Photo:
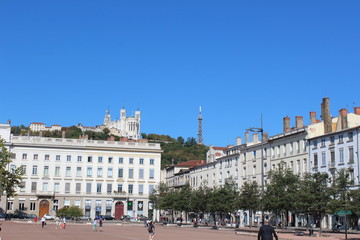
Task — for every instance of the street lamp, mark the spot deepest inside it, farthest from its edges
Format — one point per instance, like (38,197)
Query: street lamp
(260,130)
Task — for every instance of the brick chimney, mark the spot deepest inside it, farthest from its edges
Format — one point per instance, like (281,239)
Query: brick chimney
(238,141)
(312,117)
(325,115)
(299,121)
(255,138)
(357,110)
(343,118)
(265,136)
(246,137)
(286,121)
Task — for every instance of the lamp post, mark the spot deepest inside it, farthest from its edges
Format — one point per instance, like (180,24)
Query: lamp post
(260,130)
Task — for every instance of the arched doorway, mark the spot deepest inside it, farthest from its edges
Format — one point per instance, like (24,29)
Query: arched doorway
(119,210)
(44,208)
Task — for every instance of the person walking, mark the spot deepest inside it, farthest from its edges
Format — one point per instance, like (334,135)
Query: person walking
(43,221)
(151,229)
(100,224)
(94,225)
(266,232)
(57,223)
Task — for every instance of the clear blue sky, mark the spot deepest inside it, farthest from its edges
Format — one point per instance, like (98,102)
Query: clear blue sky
(66,62)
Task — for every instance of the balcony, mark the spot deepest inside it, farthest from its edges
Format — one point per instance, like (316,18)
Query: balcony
(331,165)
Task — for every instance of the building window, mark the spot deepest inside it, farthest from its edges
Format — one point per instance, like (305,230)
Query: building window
(323,158)
(21,205)
(151,161)
(79,158)
(56,187)
(47,157)
(151,174)
(32,206)
(141,189)
(36,157)
(33,187)
(78,188)
(98,187)
(110,172)
(332,140)
(89,172)
(110,159)
(34,170)
(24,156)
(99,172)
(77,203)
(121,160)
(57,171)
(351,155)
(89,158)
(67,187)
(109,188)
(23,169)
(120,173)
(46,170)
(68,158)
(141,161)
(100,159)
(68,172)
(45,186)
(120,188)
(131,173)
(341,138)
(88,188)
(57,158)
(291,148)
(130,190)
(314,144)
(323,141)
(350,136)
(22,186)
(151,189)
(78,171)
(341,155)
(131,160)
(141,173)
(315,160)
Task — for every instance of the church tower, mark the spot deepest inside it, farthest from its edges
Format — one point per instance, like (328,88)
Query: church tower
(200,136)
(107,117)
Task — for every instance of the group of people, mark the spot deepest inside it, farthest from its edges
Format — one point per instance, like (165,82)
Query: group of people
(98,222)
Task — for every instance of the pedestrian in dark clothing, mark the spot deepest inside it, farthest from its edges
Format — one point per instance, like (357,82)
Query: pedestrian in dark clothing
(266,232)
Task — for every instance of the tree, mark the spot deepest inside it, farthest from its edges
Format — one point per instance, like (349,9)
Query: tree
(249,197)
(280,193)
(69,212)
(314,195)
(10,179)
(199,199)
(183,199)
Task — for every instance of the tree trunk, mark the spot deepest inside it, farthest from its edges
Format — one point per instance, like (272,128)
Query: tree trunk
(320,233)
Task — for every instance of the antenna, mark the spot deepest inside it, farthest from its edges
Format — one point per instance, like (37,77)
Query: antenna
(200,136)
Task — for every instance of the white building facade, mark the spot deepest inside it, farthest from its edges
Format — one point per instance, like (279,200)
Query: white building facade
(102,177)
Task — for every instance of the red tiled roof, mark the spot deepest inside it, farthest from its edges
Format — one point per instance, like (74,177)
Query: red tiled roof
(37,123)
(56,125)
(219,148)
(191,163)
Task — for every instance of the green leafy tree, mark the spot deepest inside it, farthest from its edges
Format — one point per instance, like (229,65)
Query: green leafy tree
(249,197)
(199,199)
(10,179)
(70,212)
(280,194)
(183,200)
(314,195)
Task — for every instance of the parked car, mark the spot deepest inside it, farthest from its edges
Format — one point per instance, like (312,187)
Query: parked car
(49,217)
(107,217)
(83,218)
(125,218)
(30,216)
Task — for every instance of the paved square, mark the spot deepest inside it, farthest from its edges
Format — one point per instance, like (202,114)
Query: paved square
(112,231)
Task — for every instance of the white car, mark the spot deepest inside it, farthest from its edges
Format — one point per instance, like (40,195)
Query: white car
(49,217)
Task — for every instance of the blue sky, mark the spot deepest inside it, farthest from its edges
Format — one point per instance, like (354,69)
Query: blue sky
(66,62)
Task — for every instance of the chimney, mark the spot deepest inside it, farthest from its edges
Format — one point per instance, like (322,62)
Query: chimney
(343,118)
(286,121)
(299,121)
(255,138)
(265,136)
(238,141)
(246,137)
(357,110)
(312,117)
(325,115)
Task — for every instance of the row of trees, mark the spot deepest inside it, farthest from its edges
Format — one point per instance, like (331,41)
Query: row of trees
(315,194)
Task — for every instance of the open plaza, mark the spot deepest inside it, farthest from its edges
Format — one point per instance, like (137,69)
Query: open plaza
(27,230)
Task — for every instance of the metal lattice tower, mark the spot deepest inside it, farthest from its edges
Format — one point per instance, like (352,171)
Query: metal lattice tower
(200,136)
